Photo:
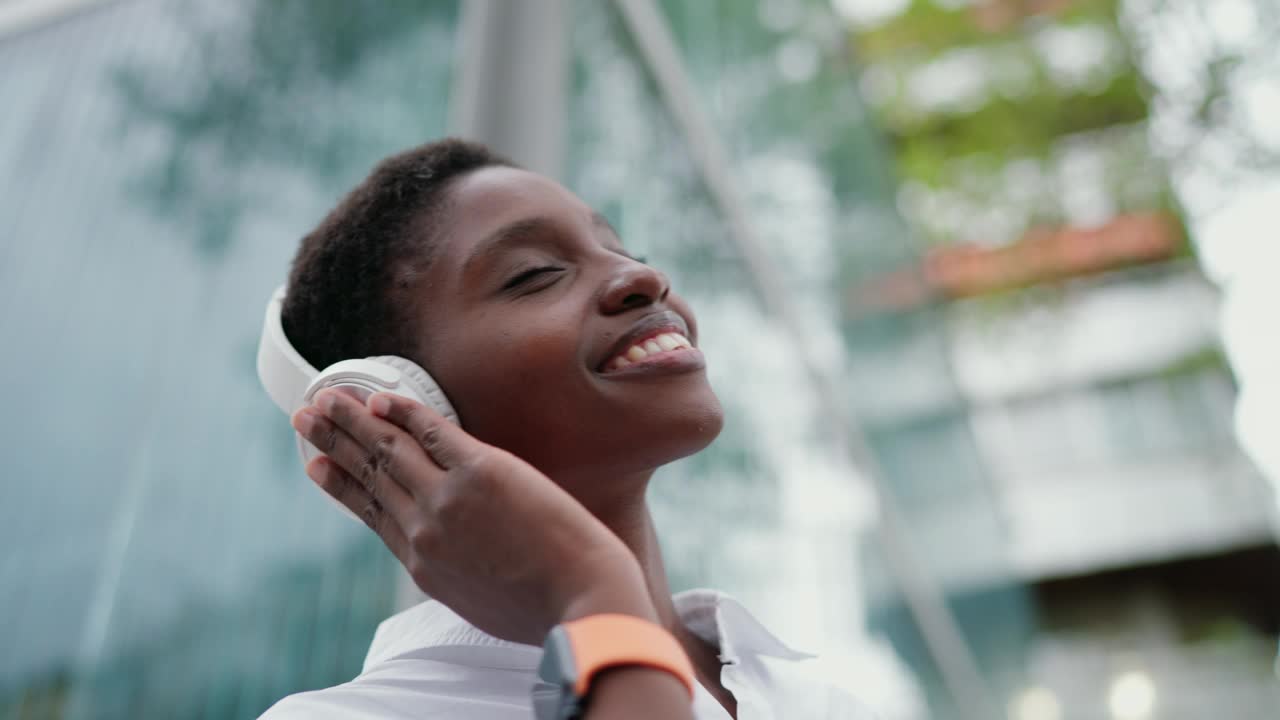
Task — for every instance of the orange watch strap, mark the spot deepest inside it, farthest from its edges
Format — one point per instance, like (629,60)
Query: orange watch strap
(603,641)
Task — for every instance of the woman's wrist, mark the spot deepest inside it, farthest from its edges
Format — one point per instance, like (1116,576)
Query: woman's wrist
(636,691)
(621,590)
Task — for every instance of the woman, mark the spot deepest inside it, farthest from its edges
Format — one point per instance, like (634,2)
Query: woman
(575,371)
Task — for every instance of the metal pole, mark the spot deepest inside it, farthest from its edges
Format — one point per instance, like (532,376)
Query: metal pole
(924,599)
(510,87)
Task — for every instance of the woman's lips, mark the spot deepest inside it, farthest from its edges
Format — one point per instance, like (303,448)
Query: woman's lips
(662,352)
(652,345)
(646,329)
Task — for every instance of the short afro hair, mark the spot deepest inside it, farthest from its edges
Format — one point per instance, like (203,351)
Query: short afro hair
(345,293)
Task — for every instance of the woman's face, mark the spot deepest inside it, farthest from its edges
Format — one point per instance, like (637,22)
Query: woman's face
(528,304)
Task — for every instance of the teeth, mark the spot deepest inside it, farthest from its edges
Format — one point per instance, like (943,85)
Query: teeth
(662,343)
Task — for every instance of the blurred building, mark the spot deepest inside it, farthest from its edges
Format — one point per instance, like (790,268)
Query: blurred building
(968,362)
(1083,337)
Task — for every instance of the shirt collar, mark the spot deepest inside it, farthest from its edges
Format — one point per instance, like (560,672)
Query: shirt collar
(710,614)
(725,623)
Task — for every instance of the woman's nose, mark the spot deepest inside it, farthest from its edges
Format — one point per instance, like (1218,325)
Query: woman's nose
(633,285)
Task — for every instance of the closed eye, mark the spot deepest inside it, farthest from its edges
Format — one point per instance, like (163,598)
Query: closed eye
(528,275)
(638,258)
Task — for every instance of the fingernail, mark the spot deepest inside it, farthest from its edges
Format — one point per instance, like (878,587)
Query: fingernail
(303,421)
(379,405)
(315,469)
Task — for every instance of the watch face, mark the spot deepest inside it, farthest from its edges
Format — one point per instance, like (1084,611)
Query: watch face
(553,695)
(555,702)
(546,700)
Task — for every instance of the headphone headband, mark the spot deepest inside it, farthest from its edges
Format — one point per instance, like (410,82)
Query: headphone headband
(283,372)
(291,381)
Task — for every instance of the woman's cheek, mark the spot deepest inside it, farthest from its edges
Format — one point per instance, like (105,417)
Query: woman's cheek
(545,361)
(515,375)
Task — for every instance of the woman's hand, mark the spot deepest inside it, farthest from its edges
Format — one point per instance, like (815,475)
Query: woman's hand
(477,528)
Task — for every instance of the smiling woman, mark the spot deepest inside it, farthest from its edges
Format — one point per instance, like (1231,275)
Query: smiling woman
(575,371)
(543,340)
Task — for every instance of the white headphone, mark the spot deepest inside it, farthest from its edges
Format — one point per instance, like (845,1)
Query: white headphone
(291,381)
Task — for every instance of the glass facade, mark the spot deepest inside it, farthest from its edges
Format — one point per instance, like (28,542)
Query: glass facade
(168,558)
(165,556)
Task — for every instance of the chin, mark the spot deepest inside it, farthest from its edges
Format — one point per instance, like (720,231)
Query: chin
(663,437)
(637,440)
(700,427)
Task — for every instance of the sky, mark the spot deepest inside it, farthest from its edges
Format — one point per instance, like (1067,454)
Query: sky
(1240,251)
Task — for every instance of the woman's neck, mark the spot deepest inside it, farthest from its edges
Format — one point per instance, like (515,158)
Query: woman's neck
(632,522)
(629,518)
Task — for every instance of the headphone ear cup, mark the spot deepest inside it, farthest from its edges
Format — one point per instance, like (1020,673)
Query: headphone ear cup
(422,384)
(362,378)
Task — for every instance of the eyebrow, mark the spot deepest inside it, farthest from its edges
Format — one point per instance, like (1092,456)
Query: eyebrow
(603,223)
(526,231)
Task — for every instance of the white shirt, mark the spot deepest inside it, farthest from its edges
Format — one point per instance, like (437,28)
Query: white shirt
(427,662)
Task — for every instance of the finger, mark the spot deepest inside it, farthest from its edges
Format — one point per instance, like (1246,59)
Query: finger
(398,454)
(364,466)
(339,484)
(447,444)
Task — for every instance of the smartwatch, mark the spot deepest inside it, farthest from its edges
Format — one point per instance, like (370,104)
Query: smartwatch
(575,652)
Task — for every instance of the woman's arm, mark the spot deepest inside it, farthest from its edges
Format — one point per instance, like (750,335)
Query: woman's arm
(633,691)
(485,533)
(638,692)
